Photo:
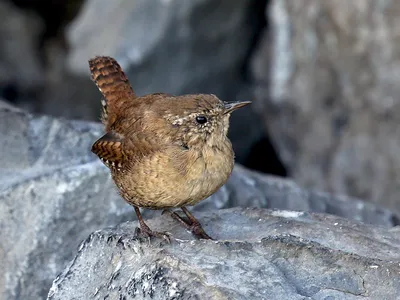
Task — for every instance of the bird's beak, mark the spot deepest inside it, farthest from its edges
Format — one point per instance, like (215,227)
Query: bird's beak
(230,107)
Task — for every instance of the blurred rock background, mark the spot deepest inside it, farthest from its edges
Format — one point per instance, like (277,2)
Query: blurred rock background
(164,46)
(323,77)
(329,93)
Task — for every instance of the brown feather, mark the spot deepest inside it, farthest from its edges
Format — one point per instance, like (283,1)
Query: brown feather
(109,148)
(112,82)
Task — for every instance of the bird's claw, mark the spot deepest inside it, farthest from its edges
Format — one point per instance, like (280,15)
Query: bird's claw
(193,225)
(148,233)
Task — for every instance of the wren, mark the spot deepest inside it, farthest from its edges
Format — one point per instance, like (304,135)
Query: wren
(163,151)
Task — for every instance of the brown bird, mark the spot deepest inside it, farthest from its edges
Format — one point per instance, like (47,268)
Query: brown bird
(163,151)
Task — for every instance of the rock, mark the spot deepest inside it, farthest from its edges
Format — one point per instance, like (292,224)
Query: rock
(246,188)
(258,254)
(21,71)
(328,91)
(166,46)
(54,193)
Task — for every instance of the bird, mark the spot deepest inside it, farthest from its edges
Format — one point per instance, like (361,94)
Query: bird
(163,151)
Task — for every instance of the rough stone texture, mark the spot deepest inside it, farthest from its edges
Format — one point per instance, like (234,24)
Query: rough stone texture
(328,74)
(20,68)
(260,254)
(54,193)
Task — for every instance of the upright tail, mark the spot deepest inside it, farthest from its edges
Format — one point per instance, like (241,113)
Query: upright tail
(112,82)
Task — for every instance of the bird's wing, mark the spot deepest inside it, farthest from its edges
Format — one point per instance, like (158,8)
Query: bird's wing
(117,152)
(109,148)
(112,82)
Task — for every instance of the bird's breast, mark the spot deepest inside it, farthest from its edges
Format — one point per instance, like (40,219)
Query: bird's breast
(175,178)
(210,171)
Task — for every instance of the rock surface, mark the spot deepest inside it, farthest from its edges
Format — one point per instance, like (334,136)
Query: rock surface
(54,193)
(258,254)
(328,89)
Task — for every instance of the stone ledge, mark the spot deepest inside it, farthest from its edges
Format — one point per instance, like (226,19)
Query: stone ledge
(259,254)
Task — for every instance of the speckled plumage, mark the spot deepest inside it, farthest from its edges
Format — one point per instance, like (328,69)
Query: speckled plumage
(159,155)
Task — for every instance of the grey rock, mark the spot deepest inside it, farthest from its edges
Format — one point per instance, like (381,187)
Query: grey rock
(327,74)
(258,254)
(54,193)
(251,189)
(170,46)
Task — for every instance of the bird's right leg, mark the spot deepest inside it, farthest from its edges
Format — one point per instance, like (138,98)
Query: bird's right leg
(145,230)
(191,223)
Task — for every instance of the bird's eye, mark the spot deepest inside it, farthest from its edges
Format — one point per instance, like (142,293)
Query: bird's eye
(201,119)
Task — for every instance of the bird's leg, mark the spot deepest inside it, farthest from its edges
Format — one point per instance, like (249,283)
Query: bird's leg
(145,230)
(191,223)
(195,226)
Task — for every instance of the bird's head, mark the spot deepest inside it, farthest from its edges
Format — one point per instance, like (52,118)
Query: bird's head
(199,119)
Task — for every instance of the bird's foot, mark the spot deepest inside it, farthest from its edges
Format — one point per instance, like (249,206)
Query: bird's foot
(191,224)
(146,232)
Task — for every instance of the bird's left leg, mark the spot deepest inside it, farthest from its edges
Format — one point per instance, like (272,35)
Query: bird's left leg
(144,230)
